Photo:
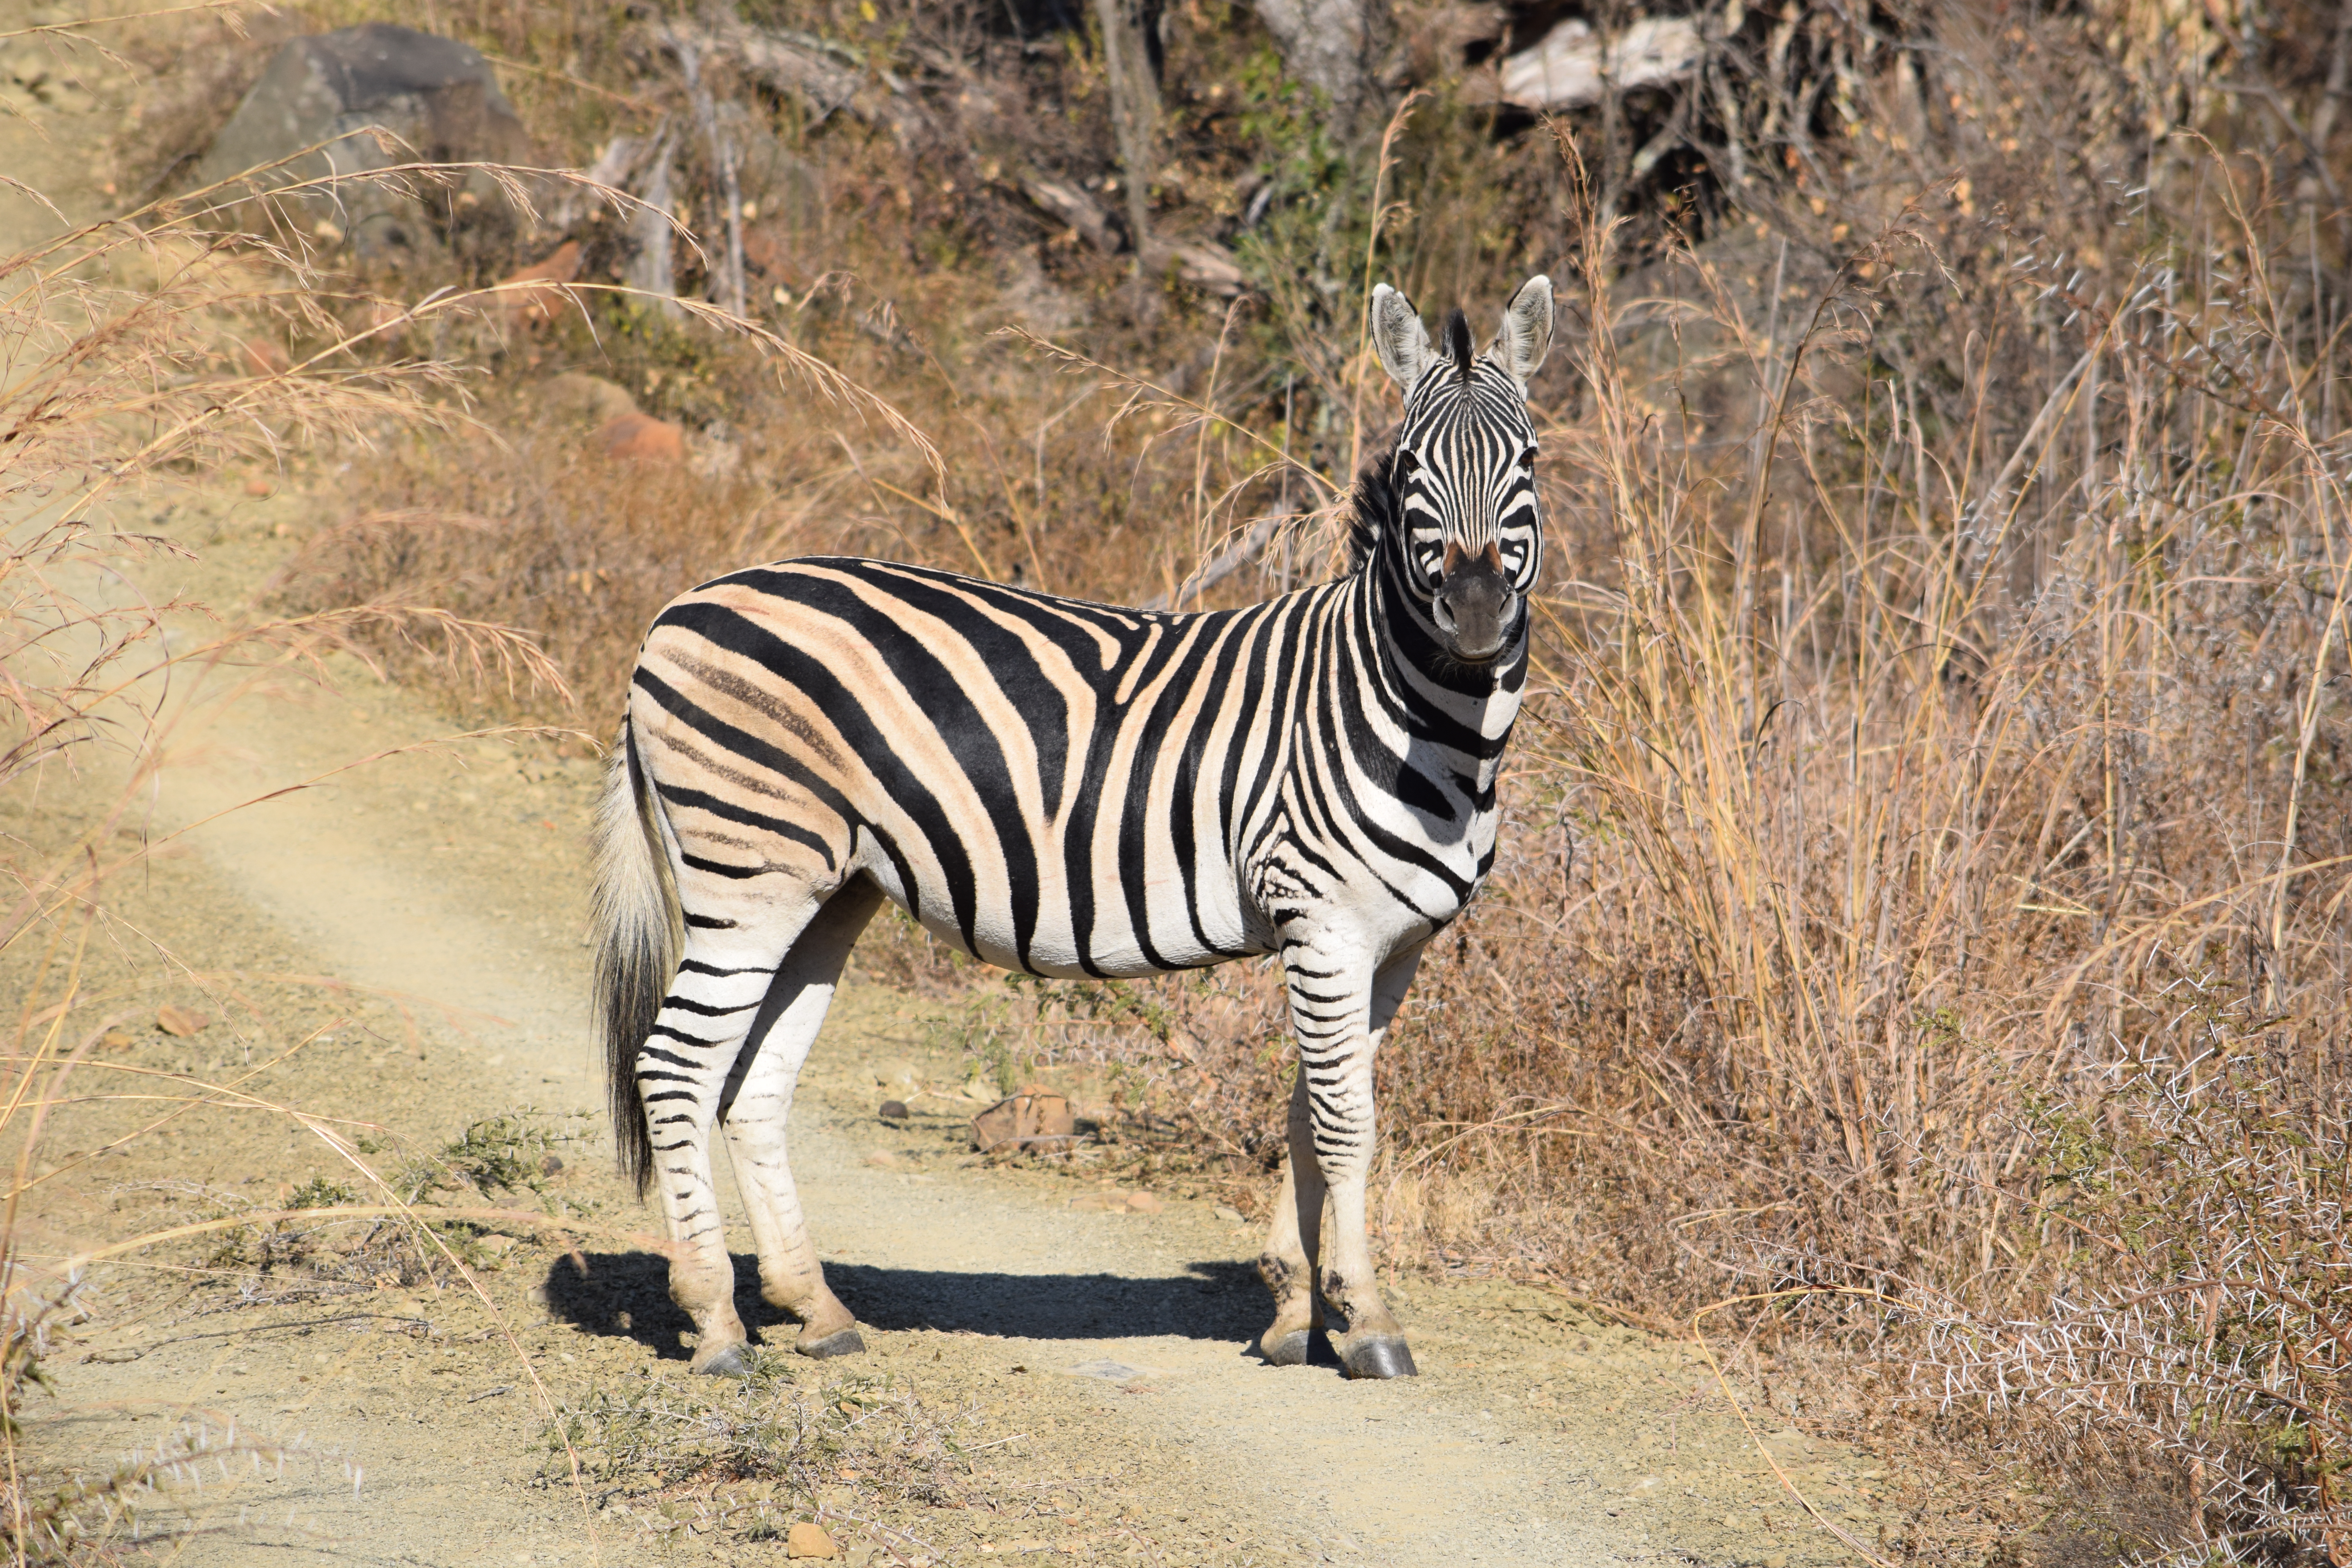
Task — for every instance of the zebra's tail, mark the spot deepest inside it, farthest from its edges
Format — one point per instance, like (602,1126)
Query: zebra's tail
(634,917)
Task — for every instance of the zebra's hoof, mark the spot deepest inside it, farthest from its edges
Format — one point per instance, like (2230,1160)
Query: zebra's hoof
(1381,1358)
(841,1341)
(735,1361)
(1291,1349)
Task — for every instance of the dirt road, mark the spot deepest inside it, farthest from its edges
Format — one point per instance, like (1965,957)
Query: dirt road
(417,922)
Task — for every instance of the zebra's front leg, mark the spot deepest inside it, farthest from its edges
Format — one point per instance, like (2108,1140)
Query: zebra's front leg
(1340,1014)
(1287,1263)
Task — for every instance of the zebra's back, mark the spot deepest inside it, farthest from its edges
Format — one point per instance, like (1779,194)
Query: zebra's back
(1055,786)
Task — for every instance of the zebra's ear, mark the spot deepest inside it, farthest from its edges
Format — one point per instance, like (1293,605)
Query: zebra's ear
(1398,333)
(1527,329)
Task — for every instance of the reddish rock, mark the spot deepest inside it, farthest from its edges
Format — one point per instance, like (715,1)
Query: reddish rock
(173,1019)
(263,356)
(766,249)
(642,438)
(808,1539)
(535,294)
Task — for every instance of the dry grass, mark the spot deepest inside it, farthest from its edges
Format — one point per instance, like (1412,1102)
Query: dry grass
(745,1460)
(127,371)
(1924,907)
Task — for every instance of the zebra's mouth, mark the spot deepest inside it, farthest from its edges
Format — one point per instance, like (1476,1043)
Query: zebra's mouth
(1473,608)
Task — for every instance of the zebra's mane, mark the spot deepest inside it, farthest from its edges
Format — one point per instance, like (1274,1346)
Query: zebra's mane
(1372,504)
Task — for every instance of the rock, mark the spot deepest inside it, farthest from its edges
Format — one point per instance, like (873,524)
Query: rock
(1206,265)
(176,1020)
(259,355)
(884,1160)
(576,398)
(808,1539)
(1144,1203)
(1084,216)
(116,1039)
(257,485)
(497,1245)
(535,295)
(1572,67)
(1035,1116)
(767,250)
(894,1111)
(435,95)
(1226,1212)
(642,438)
(549,1165)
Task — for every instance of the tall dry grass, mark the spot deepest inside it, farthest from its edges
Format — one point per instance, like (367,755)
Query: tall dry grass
(1922,915)
(128,371)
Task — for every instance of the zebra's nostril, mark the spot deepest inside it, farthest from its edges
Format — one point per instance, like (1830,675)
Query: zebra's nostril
(1444,614)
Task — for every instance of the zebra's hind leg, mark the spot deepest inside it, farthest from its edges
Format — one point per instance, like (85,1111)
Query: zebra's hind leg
(1287,1263)
(683,1070)
(760,1100)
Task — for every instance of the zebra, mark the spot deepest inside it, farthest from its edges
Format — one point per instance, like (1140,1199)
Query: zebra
(1069,789)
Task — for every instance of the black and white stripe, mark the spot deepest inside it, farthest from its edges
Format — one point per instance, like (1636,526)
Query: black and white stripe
(1070,789)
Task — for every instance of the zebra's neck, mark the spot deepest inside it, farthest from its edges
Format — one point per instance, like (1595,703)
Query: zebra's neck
(1465,710)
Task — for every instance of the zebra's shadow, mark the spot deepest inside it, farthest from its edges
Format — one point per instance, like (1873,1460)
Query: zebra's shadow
(626,1295)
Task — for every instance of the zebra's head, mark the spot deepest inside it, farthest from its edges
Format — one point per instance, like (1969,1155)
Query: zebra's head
(1468,536)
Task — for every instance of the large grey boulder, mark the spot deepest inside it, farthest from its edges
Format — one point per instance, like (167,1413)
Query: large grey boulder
(437,96)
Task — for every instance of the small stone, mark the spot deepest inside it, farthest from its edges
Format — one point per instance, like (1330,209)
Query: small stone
(116,1039)
(549,1165)
(642,438)
(883,1159)
(177,1020)
(1227,1212)
(1144,1203)
(808,1539)
(1776,1560)
(894,1111)
(574,397)
(535,294)
(263,356)
(257,485)
(497,1245)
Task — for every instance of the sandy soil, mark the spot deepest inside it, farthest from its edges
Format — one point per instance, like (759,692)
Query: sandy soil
(417,922)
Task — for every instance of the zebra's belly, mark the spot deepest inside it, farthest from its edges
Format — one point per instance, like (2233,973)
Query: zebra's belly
(1106,933)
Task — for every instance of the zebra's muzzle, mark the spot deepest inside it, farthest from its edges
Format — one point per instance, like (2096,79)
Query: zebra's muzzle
(1473,609)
